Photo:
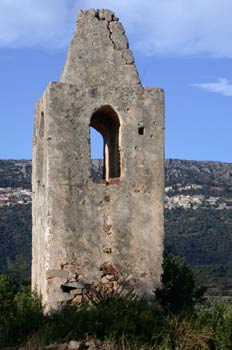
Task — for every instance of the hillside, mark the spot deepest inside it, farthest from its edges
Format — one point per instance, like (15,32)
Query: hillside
(198,216)
(198,219)
(15,173)
(198,172)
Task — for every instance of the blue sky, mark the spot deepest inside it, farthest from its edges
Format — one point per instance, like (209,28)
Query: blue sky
(182,46)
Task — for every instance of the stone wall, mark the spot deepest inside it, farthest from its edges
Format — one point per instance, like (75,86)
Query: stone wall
(91,236)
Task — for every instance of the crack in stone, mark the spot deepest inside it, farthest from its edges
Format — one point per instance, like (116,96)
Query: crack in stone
(103,18)
(110,35)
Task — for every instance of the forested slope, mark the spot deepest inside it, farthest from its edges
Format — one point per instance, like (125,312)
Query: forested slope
(198,216)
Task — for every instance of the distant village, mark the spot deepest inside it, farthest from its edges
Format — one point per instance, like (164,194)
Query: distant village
(14,196)
(193,201)
(174,198)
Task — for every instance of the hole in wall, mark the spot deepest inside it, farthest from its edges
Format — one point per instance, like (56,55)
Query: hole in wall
(141,130)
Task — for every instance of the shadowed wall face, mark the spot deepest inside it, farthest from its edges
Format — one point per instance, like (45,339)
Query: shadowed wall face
(97,235)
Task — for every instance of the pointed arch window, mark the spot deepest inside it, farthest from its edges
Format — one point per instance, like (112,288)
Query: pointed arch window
(105,120)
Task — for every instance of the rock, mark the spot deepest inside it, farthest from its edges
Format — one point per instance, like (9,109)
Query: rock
(57,273)
(66,296)
(106,14)
(109,269)
(93,344)
(76,291)
(128,56)
(77,299)
(108,286)
(74,345)
(110,277)
(73,277)
(104,280)
(115,285)
(55,346)
(129,277)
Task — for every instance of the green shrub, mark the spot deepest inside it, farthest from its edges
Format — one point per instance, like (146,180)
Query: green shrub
(16,271)
(7,309)
(179,292)
(20,313)
(135,319)
(28,314)
(126,321)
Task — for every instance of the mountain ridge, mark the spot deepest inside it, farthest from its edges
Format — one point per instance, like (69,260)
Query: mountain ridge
(202,171)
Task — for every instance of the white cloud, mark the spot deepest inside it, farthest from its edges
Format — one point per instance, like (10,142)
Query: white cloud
(222,87)
(175,27)
(36,23)
(158,27)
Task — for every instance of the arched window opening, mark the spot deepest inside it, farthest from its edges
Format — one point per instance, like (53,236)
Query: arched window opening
(106,122)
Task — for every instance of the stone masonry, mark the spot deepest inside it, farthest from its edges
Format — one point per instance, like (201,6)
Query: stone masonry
(96,236)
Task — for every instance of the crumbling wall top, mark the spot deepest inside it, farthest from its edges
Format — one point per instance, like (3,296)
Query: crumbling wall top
(99,53)
(102,14)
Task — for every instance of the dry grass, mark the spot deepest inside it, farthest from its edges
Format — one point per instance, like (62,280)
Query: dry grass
(183,334)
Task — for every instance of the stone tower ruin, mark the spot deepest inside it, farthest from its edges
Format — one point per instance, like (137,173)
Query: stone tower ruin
(92,236)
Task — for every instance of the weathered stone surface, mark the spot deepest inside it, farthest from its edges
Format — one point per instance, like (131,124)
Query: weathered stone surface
(74,285)
(117,36)
(104,280)
(128,56)
(57,273)
(76,291)
(96,53)
(110,277)
(74,345)
(77,299)
(105,15)
(74,216)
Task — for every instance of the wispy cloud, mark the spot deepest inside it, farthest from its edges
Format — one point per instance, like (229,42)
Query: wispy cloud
(222,87)
(159,27)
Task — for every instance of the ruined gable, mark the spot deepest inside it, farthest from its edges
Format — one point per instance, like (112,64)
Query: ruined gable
(91,236)
(99,53)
